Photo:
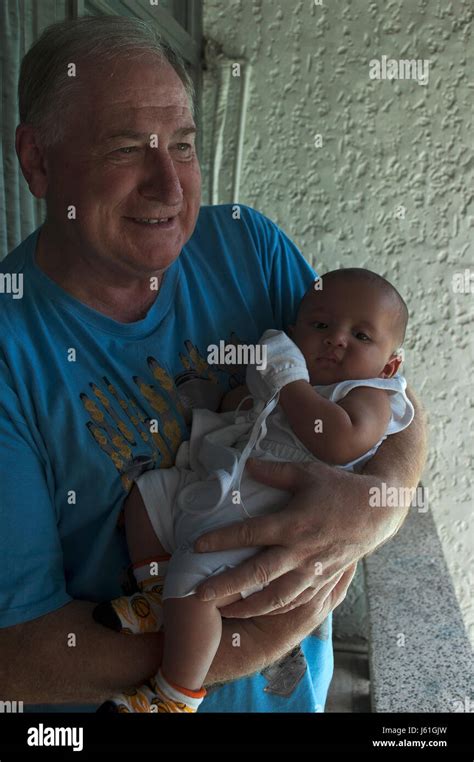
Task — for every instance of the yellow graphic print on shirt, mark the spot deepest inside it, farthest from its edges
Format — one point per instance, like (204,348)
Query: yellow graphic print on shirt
(120,434)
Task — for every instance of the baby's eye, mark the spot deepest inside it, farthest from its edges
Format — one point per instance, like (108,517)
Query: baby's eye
(320,326)
(362,336)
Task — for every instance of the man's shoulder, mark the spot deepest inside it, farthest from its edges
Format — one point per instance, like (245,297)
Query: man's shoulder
(225,217)
(237,229)
(228,212)
(15,287)
(15,261)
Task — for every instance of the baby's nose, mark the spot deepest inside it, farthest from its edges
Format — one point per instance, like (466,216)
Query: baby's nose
(337,338)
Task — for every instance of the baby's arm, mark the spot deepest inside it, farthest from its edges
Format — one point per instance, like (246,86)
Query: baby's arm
(347,428)
(232,399)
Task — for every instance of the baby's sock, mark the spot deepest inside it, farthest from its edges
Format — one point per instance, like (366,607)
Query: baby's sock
(159,696)
(150,574)
(137,701)
(143,611)
(171,697)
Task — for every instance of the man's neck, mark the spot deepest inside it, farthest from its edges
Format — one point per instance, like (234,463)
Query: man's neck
(126,301)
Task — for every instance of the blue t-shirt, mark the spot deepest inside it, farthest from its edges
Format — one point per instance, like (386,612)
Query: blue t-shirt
(78,393)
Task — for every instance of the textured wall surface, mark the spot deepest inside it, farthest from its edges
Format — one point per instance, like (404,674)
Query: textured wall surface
(388,189)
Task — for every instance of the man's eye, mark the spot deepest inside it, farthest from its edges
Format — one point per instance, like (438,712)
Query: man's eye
(127,150)
(362,336)
(184,148)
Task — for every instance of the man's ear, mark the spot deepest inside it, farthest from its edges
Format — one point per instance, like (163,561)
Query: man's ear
(391,367)
(32,160)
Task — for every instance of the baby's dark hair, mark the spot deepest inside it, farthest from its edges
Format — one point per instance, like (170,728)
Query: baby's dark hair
(360,273)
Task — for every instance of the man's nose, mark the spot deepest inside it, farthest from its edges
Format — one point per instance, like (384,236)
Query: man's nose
(162,182)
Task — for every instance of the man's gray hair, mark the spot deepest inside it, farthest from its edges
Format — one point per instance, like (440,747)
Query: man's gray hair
(46,92)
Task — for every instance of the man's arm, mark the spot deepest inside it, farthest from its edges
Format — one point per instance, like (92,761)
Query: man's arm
(399,462)
(37,666)
(266,639)
(401,458)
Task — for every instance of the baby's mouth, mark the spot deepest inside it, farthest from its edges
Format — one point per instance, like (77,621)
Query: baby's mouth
(329,359)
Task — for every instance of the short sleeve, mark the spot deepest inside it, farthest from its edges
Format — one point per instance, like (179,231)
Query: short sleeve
(288,273)
(32,581)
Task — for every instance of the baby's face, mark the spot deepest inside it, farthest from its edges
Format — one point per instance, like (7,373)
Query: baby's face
(345,331)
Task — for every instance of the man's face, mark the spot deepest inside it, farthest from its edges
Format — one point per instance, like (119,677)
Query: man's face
(109,169)
(345,332)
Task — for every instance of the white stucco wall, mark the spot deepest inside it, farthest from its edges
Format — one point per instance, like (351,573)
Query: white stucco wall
(385,145)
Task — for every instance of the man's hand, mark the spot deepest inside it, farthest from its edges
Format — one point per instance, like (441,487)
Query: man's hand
(266,639)
(308,550)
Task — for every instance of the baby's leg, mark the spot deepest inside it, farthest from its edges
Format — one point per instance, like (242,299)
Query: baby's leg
(141,538)
(142,612)
(193,630)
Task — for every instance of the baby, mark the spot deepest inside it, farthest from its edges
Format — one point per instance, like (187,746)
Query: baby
(330,392)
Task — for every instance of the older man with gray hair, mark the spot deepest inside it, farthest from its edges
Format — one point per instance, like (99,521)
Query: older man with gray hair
(126,283)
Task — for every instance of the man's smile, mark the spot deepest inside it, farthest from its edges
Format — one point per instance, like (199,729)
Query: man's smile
(163,223)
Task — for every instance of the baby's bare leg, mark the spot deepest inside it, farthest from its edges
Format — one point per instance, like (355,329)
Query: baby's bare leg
(193,630)
(141,612)
(141,538)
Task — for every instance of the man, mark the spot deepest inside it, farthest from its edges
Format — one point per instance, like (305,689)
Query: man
(125,285)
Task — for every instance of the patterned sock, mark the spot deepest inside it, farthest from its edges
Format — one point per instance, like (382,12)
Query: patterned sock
(137,700)
(171,697)
(143,611)
(159,696)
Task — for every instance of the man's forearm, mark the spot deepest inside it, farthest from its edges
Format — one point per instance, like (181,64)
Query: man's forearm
(39,667)
(401,458)
(263,641)
(399,462)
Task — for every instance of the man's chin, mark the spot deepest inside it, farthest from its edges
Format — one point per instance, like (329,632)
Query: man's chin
(151,258)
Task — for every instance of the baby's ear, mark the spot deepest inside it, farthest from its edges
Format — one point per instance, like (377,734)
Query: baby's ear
(392,366)
(290,330)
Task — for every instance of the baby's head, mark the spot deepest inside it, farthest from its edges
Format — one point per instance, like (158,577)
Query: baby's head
(350,325)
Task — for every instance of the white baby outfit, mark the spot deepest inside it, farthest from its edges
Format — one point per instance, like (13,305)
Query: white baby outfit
(201,492)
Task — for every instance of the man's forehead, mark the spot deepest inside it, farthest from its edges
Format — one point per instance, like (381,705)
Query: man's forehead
(112,122)
(170,98)
(151,84)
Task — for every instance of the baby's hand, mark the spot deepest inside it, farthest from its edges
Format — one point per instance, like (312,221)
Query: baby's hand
(282,363)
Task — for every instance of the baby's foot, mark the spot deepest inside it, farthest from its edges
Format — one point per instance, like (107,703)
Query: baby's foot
(128,702)
(132,615)
(156,696)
